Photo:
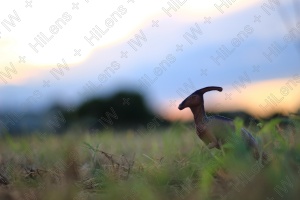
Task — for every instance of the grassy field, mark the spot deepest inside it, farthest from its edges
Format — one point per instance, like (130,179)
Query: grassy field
(167,164)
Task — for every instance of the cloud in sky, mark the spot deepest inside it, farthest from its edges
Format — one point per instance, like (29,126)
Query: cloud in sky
(172,42)
(66,25)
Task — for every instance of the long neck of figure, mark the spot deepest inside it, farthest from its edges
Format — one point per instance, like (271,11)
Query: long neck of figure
(199,115)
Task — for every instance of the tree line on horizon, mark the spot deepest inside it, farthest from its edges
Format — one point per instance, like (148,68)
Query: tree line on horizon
(121,111)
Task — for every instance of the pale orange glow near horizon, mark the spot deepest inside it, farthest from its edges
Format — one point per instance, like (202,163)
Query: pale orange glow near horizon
(260,99)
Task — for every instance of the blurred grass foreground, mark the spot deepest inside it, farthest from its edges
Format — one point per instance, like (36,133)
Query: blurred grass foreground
(171,163)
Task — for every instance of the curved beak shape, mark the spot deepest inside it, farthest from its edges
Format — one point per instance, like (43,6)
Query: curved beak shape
(181,106)
(188,102)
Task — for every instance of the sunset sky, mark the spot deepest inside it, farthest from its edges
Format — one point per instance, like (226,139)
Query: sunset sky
(67,52)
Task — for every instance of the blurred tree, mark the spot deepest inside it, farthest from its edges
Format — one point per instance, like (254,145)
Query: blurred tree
(122,110)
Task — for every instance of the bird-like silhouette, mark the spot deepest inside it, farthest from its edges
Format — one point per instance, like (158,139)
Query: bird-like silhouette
(215,130)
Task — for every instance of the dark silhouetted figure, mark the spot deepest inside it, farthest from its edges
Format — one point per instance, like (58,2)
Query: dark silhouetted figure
(214,130)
